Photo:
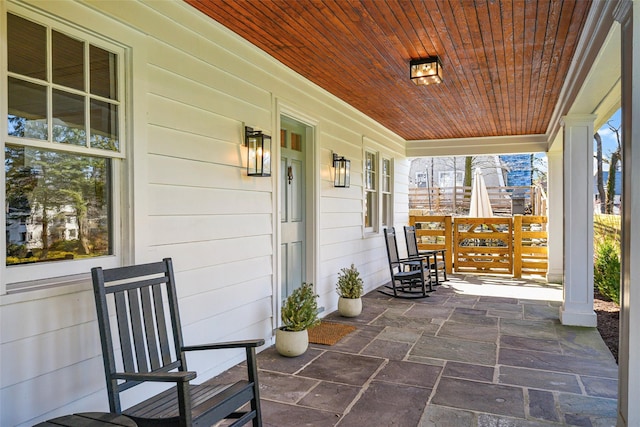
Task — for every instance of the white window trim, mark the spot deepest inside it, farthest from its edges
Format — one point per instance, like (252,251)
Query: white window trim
(27,277)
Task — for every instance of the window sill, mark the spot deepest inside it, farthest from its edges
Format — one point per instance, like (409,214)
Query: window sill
(45,288)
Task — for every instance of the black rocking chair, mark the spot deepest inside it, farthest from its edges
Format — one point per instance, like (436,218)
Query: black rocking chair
(436,266)
(143,343)
(410,277)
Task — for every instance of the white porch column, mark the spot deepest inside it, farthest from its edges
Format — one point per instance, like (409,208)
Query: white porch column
(555,203)
(628,14)
(577,307)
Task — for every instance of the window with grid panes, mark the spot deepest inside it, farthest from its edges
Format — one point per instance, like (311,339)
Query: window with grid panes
(62,145)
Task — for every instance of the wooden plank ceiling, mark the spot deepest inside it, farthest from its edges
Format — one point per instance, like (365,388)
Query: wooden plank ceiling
(504,62)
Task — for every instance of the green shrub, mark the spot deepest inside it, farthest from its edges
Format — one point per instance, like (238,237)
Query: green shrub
(300,309)
(349,284)
(606,269)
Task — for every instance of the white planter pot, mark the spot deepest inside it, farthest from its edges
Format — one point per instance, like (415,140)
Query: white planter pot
(349,307)
(290,343)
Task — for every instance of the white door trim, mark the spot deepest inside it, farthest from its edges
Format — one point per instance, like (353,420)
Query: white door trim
(312,200)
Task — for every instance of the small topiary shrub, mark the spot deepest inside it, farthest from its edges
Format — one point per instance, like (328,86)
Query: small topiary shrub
(606,270)
(349,284)
(300,309)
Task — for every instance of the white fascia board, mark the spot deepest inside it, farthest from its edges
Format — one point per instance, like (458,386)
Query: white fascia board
(478,146)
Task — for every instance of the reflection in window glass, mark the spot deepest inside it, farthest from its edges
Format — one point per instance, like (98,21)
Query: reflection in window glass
(27,47)
(67,56)
(104,126)
(387,208)
(371,199)
(57,206)
(27,109)
(68,118)
(386,175)
(103,76)
(370,170)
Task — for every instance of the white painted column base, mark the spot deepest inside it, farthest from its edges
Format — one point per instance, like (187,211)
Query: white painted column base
(555,277)
(576,318)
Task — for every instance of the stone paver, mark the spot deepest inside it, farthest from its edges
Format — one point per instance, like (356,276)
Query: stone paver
(546,380)
(481,397)
(385,404)
(456,349)
(542,405)
(469,371)
(343,368)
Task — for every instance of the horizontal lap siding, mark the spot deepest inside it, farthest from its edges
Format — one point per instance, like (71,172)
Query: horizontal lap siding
(195,86)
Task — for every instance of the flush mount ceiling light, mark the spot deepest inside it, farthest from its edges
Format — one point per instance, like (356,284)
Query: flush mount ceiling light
(426,71)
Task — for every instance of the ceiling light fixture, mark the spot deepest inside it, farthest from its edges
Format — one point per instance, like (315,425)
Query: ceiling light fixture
(426,71)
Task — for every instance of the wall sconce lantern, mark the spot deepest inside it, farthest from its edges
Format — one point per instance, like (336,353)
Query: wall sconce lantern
(426,71)
(342,170)
(259,153)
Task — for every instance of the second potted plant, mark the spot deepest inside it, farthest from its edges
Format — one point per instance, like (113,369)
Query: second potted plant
(299,312)
(350,288)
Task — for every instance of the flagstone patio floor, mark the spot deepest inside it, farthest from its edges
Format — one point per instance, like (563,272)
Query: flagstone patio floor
(480,351)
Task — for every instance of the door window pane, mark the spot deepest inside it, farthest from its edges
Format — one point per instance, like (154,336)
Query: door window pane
(296,141)
(68,118)
(27,109)
(104,126)
(27,47)
(67,56)
(103,66)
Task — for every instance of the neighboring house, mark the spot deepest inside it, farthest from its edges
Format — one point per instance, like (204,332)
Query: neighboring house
(445,172)
(617,194)
(518,169)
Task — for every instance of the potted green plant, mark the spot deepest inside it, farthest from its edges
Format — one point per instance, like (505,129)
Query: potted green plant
(299,312)
(349,288)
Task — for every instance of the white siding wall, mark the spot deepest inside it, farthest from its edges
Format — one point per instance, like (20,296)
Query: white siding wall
(194,86)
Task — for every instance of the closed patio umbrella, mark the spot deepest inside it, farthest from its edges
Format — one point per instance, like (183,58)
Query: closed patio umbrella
(480,206)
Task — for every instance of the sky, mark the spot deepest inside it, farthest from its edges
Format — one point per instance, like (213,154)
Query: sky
(609,142)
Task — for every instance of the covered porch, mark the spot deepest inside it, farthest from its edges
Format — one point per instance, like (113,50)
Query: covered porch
(482,350)
(188,87)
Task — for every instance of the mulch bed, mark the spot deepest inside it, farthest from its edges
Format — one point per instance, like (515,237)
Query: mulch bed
(608,313)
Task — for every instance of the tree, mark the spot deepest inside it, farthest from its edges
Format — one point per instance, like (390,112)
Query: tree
(599,174)
(614,163)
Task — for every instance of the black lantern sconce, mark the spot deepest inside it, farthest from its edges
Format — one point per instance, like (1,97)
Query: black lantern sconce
(426,71)
(259,153)
(342,171)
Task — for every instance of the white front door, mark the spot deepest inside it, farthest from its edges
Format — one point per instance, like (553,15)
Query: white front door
(292,205)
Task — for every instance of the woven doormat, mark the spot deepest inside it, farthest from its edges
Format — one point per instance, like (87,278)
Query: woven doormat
(329,333)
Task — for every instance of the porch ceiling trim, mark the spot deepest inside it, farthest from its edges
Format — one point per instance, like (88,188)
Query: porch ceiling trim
(585,62)
(477,146)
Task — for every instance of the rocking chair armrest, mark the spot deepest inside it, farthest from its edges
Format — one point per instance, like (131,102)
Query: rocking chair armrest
(424,258)
(176,377)
(221,345)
